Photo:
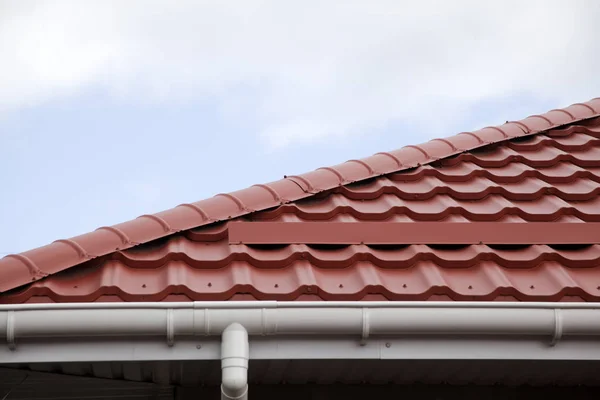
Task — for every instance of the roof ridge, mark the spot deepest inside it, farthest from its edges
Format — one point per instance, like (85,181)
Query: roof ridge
(17,270)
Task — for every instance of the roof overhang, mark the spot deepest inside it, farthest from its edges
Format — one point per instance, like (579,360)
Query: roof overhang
(299,380)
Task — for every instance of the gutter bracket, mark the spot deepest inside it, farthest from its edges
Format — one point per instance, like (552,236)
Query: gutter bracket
(10,330)
(365,327)
(558,327)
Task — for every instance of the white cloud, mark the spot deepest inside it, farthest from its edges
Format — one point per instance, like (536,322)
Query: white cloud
(314,69)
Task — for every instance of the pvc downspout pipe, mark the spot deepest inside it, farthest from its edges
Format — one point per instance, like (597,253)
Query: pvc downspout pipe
(235,352)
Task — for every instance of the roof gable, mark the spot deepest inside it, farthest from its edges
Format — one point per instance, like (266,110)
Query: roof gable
(455,153)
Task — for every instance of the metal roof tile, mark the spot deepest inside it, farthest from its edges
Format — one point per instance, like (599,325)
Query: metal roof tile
(553,176)
(486,280)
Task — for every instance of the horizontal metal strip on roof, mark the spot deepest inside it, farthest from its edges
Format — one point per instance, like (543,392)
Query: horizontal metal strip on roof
(445,233)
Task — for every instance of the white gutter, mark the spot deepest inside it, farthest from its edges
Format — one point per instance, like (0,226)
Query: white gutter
(297,318)
(236,320)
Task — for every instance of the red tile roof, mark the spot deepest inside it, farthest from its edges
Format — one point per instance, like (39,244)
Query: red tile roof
(543,169)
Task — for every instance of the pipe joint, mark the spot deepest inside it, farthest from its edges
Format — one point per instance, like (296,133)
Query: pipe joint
(10,330)
(366,328)
(235,351)
(170,328)
(558,327)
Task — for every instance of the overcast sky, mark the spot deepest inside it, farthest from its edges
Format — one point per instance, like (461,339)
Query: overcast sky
(113,109)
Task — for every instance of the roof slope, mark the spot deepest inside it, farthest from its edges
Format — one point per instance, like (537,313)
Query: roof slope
(543,168)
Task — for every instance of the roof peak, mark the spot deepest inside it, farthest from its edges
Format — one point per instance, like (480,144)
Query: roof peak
(32,265)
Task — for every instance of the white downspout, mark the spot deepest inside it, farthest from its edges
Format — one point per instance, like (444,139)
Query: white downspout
(235,351)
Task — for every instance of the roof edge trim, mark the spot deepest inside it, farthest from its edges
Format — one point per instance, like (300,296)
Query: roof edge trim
(269,304)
